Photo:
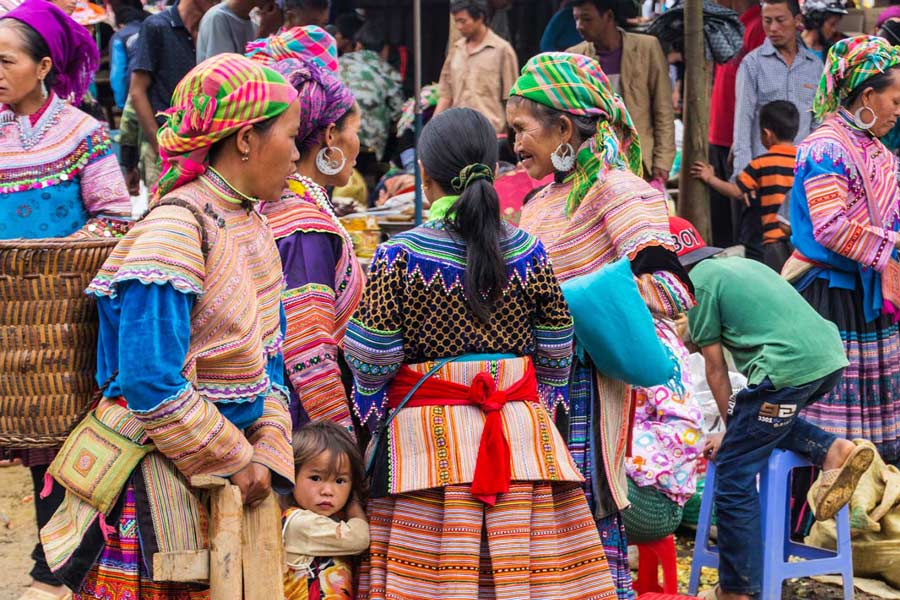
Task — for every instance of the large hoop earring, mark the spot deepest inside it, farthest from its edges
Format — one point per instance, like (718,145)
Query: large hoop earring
(857,118)
(563,158)
(330,165)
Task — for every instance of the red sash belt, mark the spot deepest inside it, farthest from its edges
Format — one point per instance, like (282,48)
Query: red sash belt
(493,464)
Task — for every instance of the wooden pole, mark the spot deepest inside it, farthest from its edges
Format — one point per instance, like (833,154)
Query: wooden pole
(693,197)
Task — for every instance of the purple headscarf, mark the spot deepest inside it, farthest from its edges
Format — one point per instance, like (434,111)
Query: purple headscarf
(323,98)
(72,49)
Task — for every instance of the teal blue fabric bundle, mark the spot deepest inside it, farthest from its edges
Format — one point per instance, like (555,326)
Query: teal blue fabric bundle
(614,326)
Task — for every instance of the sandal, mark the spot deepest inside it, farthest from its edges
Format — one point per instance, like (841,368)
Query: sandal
(710,594)
(837,485)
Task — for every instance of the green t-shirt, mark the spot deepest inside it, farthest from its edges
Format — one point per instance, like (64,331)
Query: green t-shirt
(767,326)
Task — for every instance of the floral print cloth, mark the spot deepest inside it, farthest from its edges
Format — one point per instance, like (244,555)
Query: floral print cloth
(667,434)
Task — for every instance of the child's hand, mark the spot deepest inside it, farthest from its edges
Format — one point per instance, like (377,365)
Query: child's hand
(702,171)
(713,443)
(355,509)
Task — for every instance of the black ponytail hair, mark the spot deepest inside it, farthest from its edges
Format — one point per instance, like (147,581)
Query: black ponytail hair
(453,140)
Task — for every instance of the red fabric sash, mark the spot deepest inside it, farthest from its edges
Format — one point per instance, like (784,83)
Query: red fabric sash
(493,469)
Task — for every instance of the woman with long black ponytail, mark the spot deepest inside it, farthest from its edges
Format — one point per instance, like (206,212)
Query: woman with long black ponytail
(460,351)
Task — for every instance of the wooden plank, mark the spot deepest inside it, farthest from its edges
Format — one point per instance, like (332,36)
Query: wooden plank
(208,482)
(191,566)
(263,551)
(226,514)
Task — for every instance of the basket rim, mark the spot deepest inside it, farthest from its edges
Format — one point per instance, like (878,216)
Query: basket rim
(55,243)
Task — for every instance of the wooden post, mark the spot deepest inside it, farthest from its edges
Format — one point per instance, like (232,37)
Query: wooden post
(263,551)
(226,514)
(693,197)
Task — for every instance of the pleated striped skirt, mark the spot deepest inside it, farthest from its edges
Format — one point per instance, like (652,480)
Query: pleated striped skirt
(539,541)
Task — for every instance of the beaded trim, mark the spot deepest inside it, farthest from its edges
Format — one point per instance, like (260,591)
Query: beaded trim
(94,146)
(318,194)
(31,136)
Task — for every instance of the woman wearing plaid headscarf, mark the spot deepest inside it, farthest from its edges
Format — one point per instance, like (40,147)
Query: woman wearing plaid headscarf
(189,349)
(569,122)
(844,220)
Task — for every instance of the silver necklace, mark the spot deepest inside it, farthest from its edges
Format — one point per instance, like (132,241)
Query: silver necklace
(318,194)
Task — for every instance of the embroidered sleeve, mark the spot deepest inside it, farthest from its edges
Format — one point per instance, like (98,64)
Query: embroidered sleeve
(154,336)
(309,534)
(828,189)
(374,342)
(553,334)
(162,248)
(270,436)
(310,347)
(103,189)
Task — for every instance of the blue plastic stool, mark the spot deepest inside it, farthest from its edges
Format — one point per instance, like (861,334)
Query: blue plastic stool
(775,492)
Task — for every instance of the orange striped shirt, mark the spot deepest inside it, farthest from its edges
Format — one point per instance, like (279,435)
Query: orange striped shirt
(771,176)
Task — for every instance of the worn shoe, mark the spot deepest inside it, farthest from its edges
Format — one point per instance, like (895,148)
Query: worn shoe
(837,485)
(710,594)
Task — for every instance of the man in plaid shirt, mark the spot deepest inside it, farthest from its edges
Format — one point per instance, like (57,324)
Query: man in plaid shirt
(783,68)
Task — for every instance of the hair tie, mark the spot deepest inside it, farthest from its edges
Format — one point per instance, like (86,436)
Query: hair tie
(471,173)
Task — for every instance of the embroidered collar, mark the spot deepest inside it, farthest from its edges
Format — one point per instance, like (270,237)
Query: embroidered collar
(30,135)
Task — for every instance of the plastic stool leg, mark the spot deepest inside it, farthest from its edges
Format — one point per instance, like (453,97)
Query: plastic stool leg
(774,496)
(668,558)
(845,550)
(701,540)
(648,570)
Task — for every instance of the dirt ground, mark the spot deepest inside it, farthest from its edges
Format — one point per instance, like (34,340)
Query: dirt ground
(18,536)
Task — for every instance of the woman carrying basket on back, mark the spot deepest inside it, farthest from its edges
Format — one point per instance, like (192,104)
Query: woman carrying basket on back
(58,174)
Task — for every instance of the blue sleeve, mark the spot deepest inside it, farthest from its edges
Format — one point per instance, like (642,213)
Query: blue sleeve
(118,71)
(145,58)
(154,336)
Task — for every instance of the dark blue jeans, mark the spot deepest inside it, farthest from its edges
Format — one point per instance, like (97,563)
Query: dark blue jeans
(760,419)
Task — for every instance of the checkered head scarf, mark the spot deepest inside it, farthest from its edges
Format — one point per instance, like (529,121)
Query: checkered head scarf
(577,85)
(851,62)
(213,101)
(308,43)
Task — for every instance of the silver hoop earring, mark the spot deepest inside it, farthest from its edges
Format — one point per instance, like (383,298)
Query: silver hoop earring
(857,118)
(330,165)
(43,89)
(563,158)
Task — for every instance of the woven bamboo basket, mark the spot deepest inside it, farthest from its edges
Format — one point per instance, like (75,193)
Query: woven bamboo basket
(48,338)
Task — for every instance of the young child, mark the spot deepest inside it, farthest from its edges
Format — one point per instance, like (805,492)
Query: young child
(325,520)
(763,184)
(791,357)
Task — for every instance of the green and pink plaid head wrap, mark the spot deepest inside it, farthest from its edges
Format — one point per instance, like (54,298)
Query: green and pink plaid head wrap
(576,84)
(213,101)
(309,43)
(851,62)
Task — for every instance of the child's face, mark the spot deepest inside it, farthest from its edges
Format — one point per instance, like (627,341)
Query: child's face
(323,487)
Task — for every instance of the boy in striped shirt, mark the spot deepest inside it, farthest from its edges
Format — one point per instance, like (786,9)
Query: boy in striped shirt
(763,185)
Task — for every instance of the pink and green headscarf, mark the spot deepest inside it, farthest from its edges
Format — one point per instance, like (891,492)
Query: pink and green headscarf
(576,84)
(308,43)
(213,101)
(850,63)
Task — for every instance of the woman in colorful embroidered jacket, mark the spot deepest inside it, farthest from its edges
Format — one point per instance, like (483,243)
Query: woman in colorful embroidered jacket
(190,338)
(58,175)
(844,221)
(568,121)
(474,452)
(324,279)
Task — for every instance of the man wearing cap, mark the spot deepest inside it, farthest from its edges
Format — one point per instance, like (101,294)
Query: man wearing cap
(791,357)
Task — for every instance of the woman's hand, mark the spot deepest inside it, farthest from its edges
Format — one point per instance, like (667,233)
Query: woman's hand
(255,482)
